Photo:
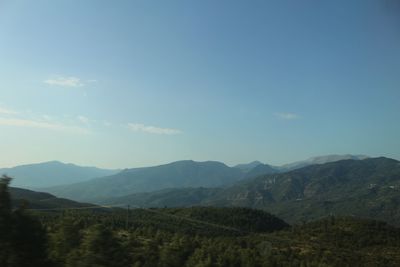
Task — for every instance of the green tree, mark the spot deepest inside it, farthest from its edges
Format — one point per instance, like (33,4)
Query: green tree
(66,240)
(5,222)
(99,248)
(22,238)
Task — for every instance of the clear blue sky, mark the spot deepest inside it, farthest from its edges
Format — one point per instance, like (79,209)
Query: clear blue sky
(135,83)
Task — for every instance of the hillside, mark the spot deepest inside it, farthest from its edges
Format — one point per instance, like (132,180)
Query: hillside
(367,188)
(52,173)
(244,219)
(205,221)
(222,237)
(364,188)
(200,236)
(180,174)
(173,175)
(172,197)
(40,200)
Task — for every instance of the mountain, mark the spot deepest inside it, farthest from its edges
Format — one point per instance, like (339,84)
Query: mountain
(40,200)
(260,169)
(178,174)
(215,174)
(52,173)
(367,188)
(319,160)
(364,188)
(248,166)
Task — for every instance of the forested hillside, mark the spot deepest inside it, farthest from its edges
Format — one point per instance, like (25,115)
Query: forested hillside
(172,197)
(365,188)
(40,200)
(188,237)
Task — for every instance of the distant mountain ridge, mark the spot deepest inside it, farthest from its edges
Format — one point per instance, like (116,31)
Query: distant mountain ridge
(55,173)
(248,166)
(318,160)
(367,188)
(179,174)
(364,188)
(52,173)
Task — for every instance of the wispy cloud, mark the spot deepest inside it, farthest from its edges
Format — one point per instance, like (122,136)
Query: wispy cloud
(64,82)
(287,116)
(77,124)
(7,111)
(138,127)
(31,123)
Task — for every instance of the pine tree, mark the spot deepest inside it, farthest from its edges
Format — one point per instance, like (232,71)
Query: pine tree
(99,248)
(22,238)
(5,222)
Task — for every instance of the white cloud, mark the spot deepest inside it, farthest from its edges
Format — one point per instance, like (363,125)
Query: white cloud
(65,82)
(138,127)
(7,111)
(287,116)
(47,117)
(83,119)
(42,124)
(107,123)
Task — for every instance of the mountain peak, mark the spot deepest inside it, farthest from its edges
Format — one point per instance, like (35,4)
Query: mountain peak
(248,166)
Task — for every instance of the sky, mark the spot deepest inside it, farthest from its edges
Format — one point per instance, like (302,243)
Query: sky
(132,83)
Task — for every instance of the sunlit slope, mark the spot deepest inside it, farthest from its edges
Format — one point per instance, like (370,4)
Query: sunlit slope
(365,188)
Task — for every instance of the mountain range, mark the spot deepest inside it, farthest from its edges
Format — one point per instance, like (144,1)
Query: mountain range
(302,191)
(367,188)
(355,186)
(179,174)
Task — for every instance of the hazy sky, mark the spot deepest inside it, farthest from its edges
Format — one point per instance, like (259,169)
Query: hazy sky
(135,83)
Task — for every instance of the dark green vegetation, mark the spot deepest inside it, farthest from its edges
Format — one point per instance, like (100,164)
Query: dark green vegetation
(39,200)
(23,241)
(52,173)
(176,197)
(188,237)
